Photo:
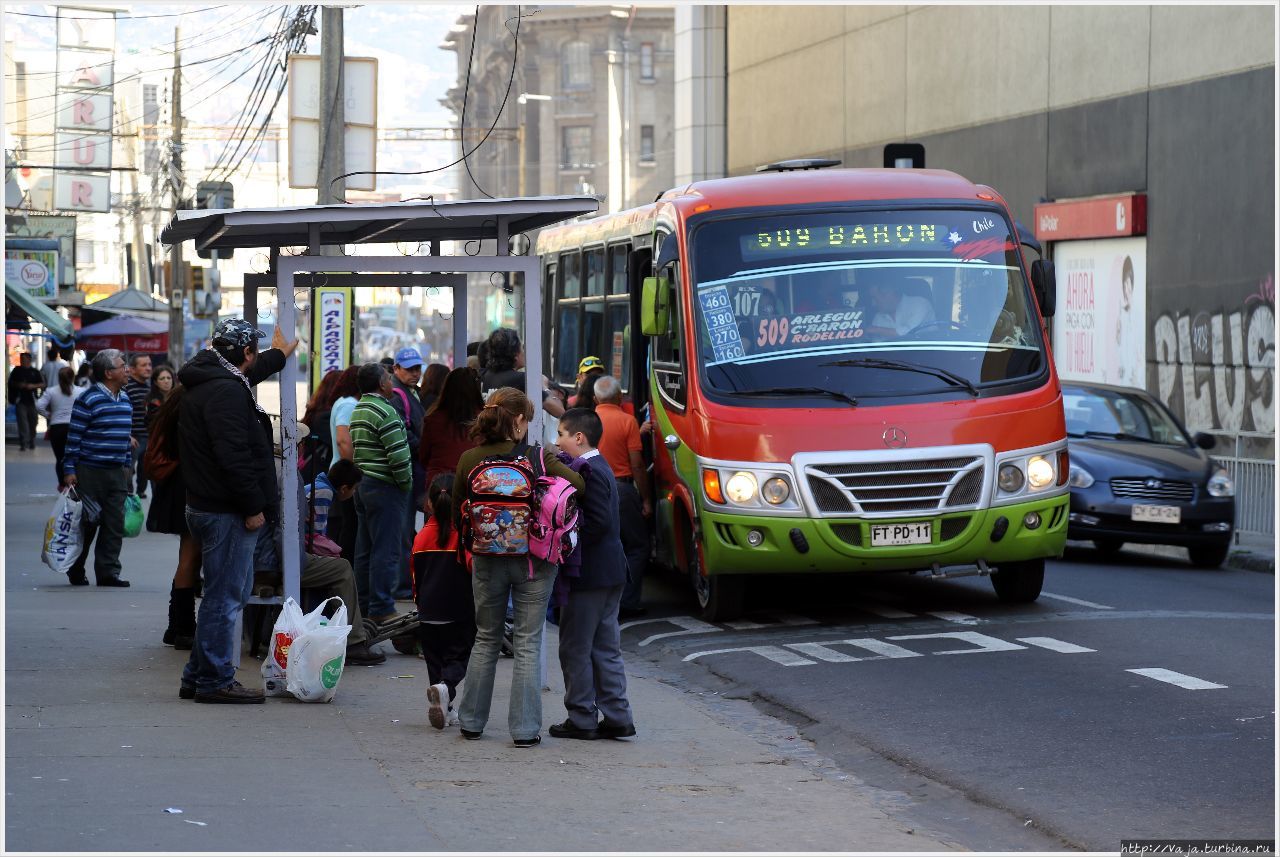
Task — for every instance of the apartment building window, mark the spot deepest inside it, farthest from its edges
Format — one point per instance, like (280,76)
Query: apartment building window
(575,65)
(646,61)
(575,148)
(646,144)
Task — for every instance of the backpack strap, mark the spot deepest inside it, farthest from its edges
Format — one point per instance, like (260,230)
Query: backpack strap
(405,400)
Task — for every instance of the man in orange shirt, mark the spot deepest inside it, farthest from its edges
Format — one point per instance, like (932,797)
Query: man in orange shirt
(620,446)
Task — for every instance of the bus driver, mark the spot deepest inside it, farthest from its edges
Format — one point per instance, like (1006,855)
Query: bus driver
(897,313)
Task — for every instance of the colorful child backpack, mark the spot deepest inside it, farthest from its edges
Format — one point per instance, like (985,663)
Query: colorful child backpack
(498,509)
(553,532)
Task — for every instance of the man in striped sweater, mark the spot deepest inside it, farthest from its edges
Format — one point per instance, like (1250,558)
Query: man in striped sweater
(97,460)
(381,452)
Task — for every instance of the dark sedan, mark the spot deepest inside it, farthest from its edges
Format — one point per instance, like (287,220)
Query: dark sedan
(1137,476)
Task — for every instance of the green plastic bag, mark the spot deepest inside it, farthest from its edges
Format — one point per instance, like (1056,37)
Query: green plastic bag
(133,516)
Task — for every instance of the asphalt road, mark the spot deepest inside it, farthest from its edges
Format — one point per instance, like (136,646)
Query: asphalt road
(993,721)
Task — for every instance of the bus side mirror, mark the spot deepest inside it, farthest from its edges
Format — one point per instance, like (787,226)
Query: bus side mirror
(655,312)
(1044,282)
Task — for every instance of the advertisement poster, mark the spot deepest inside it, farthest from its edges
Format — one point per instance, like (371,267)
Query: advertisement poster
(33,271)
(1099,333)
(331,333)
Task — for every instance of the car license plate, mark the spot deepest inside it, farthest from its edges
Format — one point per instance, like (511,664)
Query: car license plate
(885,535)
(1156,514)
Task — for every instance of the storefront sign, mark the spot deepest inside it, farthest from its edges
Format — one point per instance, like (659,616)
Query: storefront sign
(330,331)
(59,227)
(33,271)
(85,104)
(1104,217)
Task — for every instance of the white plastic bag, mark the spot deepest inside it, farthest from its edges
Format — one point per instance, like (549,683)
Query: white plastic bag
(62,536)
(289,624)
(318,655)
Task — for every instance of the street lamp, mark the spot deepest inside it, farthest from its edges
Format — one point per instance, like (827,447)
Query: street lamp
(522,99)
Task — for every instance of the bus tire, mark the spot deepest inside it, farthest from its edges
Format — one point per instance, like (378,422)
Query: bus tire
(1019,582)
(719,597)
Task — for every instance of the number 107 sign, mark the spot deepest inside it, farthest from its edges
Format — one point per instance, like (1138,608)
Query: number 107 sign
(330,331)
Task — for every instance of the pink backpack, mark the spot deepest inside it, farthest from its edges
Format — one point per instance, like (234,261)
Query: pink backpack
(553,532)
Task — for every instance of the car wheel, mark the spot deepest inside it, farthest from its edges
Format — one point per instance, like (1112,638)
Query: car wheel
(1211,557)
(1108,546)
(1019,582)
(720,596)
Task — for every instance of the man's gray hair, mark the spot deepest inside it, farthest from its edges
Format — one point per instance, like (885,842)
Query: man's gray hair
(607,388)
(104,361)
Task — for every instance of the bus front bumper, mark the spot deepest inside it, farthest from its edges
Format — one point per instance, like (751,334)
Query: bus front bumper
(801,545)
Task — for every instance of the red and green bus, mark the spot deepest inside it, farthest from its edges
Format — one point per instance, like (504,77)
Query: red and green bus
(847,371)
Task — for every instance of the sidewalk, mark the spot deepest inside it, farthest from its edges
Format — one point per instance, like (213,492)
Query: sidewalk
(1249,552)
(99,745)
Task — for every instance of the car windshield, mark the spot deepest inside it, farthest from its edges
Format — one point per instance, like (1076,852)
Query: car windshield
(1114,413)
(835,298)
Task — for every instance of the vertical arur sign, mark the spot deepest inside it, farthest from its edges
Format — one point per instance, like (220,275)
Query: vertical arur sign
(331,331)
(86,77)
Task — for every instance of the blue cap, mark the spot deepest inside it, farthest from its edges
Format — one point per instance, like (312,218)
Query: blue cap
(407,358)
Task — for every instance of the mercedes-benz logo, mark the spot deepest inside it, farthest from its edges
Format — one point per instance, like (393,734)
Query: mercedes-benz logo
(894,437)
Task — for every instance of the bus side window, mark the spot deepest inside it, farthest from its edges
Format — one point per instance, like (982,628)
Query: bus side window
(668,349)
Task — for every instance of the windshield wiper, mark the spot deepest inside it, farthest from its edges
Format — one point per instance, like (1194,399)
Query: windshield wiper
(878,363)
(1111,435)
(798,391)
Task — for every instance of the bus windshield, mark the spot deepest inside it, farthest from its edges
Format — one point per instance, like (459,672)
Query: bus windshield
(834,298)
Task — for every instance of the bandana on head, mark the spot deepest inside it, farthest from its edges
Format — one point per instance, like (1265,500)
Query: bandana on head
(226,364)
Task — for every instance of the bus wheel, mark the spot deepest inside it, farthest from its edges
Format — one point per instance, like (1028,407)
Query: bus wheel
(720,596)
(1019,582)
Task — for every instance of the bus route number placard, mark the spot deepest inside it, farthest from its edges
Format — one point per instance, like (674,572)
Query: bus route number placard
(722,324)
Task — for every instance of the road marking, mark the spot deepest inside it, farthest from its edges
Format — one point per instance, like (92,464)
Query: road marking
(773,653)
(688,623)
(958,618)
(888,612)
(823,653)
(881,648)
(982,641)
(1171,677)
(1054,645)
(1080,601)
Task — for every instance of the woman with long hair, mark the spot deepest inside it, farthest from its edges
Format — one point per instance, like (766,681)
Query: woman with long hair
(319,450)
(55,407)
(446,607)
(162,381)
(167,515)
(433,378)
(501,426)
(448,420)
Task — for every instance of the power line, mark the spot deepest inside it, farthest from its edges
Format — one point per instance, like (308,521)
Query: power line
(125,18)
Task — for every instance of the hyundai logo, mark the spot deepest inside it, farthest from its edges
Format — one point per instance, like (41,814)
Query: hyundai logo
(894,437)
(1153,483)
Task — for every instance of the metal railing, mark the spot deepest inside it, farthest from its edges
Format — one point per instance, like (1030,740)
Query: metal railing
(1255,494)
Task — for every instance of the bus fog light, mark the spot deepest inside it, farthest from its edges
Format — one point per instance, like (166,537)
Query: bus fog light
(1010,479)
(755,538)
(1031,520)
(1040,472)
(741,487)
(775,491)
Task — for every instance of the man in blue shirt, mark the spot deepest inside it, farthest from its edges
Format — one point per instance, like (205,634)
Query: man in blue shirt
(97,459)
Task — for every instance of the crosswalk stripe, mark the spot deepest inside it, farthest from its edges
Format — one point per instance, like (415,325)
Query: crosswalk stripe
(1079,601)
(773,653)
(1054,645)
(1184,681)
(959,618)
(823,653)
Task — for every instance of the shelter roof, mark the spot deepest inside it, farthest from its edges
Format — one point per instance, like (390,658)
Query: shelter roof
(373,223)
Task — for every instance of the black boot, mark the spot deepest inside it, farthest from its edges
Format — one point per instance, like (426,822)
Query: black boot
(182,617)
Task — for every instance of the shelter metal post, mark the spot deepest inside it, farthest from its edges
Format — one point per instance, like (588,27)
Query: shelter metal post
(460,324)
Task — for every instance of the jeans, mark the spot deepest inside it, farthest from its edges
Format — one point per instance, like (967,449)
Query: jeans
(492,579)
(380,509)
(106,486)
(227,557)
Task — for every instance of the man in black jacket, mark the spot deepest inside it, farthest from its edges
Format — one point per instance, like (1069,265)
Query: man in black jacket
(229,471)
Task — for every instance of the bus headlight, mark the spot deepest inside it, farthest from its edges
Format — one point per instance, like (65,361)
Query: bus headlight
(776,491)
(741,487)
(1010,479)
(1040,473)
(1220,485)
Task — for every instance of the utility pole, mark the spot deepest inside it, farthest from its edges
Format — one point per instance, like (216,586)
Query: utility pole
(142,270)
(177,282)
(332,110)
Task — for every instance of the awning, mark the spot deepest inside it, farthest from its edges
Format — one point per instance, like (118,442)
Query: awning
(40,313)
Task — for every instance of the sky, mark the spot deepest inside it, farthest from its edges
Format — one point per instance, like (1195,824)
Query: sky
(414,73)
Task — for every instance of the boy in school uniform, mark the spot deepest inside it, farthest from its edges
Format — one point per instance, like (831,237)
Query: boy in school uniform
(595,680)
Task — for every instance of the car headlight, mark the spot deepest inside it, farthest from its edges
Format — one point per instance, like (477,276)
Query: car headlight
(1010,478)
(1079,478)
(776,491)
(741,487)
(1040,473)
(1220,485)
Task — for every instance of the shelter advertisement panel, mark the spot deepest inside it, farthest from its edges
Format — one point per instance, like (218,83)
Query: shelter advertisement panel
(331,331)
(1099,333)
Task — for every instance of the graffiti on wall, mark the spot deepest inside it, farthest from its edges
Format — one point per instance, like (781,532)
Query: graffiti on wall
(1216,370)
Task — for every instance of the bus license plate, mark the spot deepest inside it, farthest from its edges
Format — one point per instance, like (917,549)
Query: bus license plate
(883,535)
(1156,514)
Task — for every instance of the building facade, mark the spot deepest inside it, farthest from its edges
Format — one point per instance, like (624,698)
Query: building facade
(1055,103)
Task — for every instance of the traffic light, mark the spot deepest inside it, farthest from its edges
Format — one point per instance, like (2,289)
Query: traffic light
(215,195)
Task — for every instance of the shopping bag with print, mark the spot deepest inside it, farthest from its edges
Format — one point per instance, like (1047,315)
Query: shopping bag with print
(62,537)
(289,624)
(318,655)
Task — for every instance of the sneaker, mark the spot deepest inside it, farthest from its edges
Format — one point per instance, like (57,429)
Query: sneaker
(234,694)
(451,719)
(360,655)
(438,699)
(567,729)
(525,743)
(469,735)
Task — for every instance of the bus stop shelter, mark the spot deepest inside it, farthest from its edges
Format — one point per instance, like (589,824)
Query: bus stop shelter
(315,227)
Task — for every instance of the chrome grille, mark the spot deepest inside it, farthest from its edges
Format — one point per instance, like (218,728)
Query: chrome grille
(906,485)
(1153,489)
